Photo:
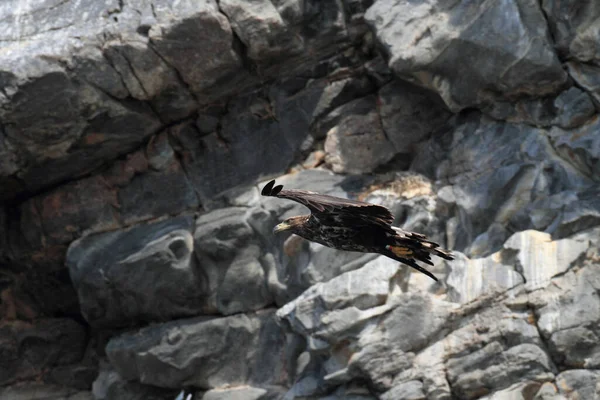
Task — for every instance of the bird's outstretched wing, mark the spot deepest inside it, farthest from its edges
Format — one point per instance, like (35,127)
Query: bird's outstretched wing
(322,204)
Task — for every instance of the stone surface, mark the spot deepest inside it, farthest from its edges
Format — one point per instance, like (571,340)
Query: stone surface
(260,27)
(232,273)
(449,48)
(241,393)
(540,258)
(146,273)
(40,391)
(205,352)
(574,26)
(30,350)
(588,77)
(499,174)
(469,279)
(357,143)
(138,134)
(568,319)
(581,384)
(409,114)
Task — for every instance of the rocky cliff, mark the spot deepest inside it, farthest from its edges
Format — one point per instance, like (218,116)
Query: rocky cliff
(136,255)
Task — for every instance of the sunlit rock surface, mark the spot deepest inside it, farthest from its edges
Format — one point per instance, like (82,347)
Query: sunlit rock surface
(137,259)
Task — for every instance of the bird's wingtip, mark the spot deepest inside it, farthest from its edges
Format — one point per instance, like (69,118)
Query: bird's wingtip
(268,188)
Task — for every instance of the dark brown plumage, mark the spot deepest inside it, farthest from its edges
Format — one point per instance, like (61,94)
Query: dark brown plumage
(352,225)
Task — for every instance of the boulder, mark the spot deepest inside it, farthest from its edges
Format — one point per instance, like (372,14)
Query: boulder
(205,352)
(578,383)
(254,133)
(357,142)
(497,174)
(449,48)
(587,76)
(42,391)
(409,114)
(233,273)
(146,273)
(262,30)
(470,279)
(567,318)
(148,184)
(540,258)
(574,27)
(31,350)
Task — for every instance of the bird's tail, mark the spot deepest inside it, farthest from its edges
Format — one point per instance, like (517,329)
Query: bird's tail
(409,247)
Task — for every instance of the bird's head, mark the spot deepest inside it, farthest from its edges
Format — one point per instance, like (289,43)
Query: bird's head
(293,225)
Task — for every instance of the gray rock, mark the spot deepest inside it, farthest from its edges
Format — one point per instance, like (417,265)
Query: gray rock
(548,391)
(412,390)
(231,263)
(409,114)
(110,386)
(588,77)
(539,258)
(239,393)
(145,76)
(518,391)
(42,391)
(581,147)
(472,375)
(412,323)
(357,143)
(469,279)
(326,310)
(495,173)
(205,352)
(263,138)
(336,93)
(569,109)
(170,37)
(147,185)
(32,349)
(82,85)
(432,41)
(261,28)
(340,316)
(567,318)
(579,383)
(574,26)
(142,274)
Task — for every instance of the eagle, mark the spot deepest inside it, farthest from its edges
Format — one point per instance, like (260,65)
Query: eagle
(352,225)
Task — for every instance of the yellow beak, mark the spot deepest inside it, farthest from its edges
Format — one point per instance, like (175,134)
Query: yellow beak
(284,226)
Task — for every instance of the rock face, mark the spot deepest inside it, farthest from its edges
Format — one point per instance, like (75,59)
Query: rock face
(137,259)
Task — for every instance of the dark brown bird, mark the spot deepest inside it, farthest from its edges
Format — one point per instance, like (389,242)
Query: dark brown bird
(352,225)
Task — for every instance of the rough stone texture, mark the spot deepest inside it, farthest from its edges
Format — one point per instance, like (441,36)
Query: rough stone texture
(261,28)
(470,279)
(470,53)
(539,258)
(231,266)
(30,350)
(40,391)
(142,274)
(135,137)
(409,114)
(574,26)
(568,319)
(205,352)
(581,384)
(357,143)
(499,175)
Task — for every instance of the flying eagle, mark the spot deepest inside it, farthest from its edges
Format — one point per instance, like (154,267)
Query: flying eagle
(352,225)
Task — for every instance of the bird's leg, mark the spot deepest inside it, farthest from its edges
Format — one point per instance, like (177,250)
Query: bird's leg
(400,251)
